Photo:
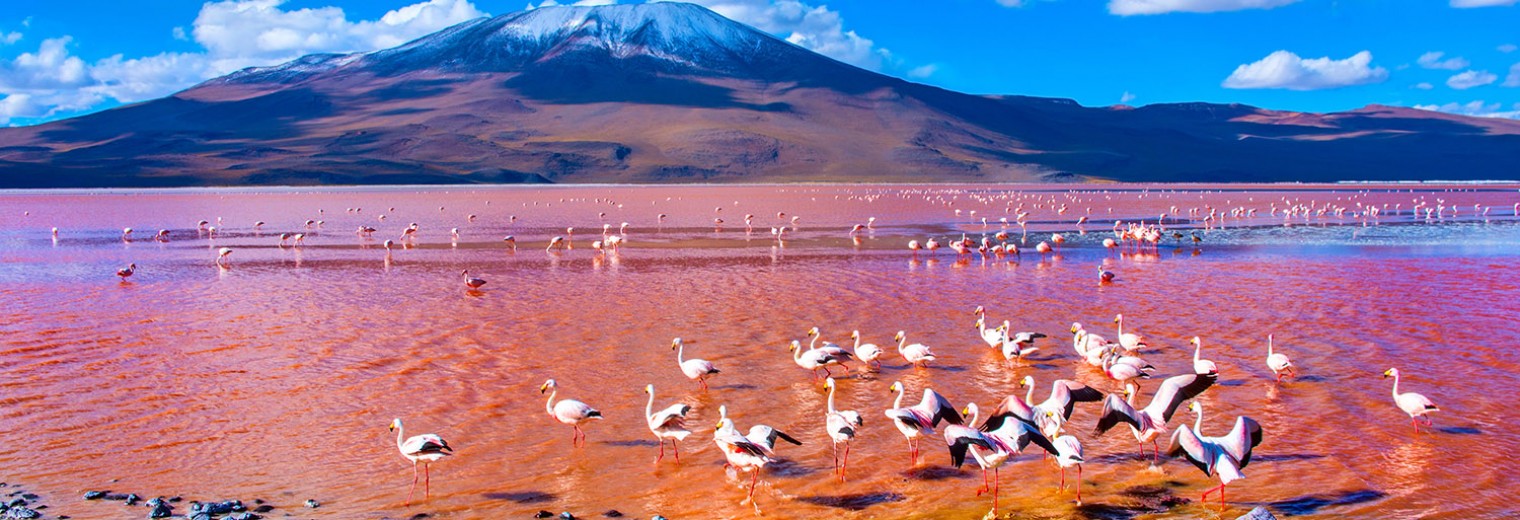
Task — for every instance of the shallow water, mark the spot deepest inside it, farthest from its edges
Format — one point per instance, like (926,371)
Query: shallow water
(276,377)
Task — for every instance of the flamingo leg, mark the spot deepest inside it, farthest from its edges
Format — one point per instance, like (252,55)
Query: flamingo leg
(1155,453)
(677,449)
(1063,478)
(427,482)
(1079,483)
(845,367)
(753,479)
(413,489)
(846,464)
(997,485)
(826,371)
(662,452)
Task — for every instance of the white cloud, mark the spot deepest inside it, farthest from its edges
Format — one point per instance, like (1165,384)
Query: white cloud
(1508,48)
(1126,98)
(1513,80)
(180,34)
(1481,3)
(819,28)
(1432,60)
(1471,78)
(1134,7)
(1286,70)
(1423,86)
(923,72)
(10,37)
(1475,108)
(1011,3)
(234,33)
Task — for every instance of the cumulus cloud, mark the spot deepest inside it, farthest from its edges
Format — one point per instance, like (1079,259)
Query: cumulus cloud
(10,37)
(816,28)
(1471,78)
(1475,108)
(1423,86)
(1011,3)
(1432,60)
(234,33)
(1481,3)
(1508,48)
(1134,7)
(923,72)
(1513,79)
(1286,70)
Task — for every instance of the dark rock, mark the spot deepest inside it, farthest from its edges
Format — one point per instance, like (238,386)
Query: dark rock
(175,500)
(312,503)
(199,516)
(542,514)
(132,499)
(242,516)
(658,517)
(420,516)
(613,513)
(16,502)
(216,508)
(116,496)
(156,502)
(22,513)
(566,516)
(161,510)
(258,501)
(1260,513)
(28,496)
(263,509)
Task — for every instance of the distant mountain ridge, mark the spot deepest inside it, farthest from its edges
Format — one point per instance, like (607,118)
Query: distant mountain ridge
(669,92)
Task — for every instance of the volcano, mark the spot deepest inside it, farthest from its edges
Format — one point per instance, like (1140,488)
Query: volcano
(670,92)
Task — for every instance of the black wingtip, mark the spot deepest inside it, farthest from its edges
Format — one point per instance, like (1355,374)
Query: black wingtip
(594,413)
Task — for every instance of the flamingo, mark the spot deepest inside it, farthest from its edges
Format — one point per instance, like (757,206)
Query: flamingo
(813,359)
(1122,372)
(993,337)
(842,426)
(828,346)
(221,256)
(1018,345)
(1043,248)
(510,241)
(1068,454)
(916,353)
(1105,275)
(1005,435)
(695,369)
(669,423)
(868,352)
(1129,341)
(1149,423)
(914,247)
(569,411)
(748,452)
(1222,456)
(427,448)
(471,281)
(1411,403)
(1200,365)
(1052,413)
(918,421)
(1278,361)
(126,272)
(556,242)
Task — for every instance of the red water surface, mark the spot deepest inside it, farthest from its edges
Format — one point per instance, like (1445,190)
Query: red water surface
(275,378)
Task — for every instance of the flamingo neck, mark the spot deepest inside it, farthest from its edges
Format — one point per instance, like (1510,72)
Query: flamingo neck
(549,405)
(1121,325)
(1131,398)
(649,407)
(1197,351)
(1269,345)
(975,413)
(831,399)
(1029,396)
(797,353)
(1198,423)
(813,344)
(399,435)
(1396,377)
(857,342)
(680,351)
(898,402)
(901,342)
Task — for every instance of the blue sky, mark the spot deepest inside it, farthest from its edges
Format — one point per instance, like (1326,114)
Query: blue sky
(59,59)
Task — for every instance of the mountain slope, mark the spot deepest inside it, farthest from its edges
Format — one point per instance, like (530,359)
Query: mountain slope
(670,92)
